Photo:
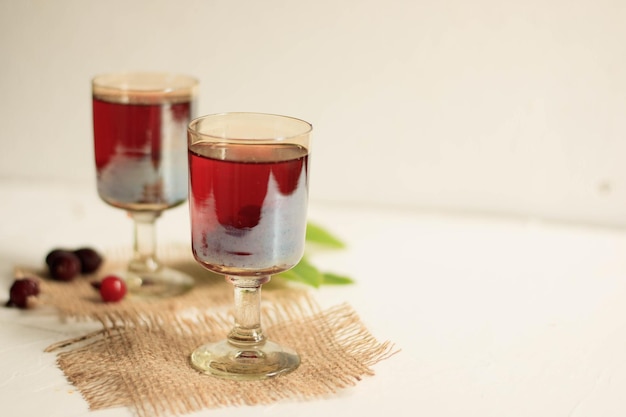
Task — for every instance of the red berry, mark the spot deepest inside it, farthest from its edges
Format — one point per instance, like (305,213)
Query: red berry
(112,289)
(20,291)
(64,266)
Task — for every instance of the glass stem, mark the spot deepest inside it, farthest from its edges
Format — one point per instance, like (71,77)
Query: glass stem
(144,249)
(247,329)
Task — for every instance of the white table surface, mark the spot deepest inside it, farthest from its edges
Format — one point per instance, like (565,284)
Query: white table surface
(494,316)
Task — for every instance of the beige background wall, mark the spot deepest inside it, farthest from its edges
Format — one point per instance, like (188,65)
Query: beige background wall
(491,106)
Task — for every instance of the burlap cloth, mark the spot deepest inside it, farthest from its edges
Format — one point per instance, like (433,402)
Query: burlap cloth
(140,357)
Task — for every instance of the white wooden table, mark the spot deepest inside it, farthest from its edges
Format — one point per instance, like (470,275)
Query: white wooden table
(493,316)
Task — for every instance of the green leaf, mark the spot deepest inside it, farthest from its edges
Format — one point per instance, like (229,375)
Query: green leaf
(330,278)
(321,236)
(305,273)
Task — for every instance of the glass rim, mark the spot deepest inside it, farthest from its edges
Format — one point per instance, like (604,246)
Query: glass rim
(143,86)
(193,127)
(184,81)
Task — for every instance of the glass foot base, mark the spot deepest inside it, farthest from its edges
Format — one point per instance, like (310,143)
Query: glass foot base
(225,360)
(159,284)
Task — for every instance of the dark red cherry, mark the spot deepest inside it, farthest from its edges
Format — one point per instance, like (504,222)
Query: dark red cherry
(64,266)
(90,260)
(21,290)
(53,253)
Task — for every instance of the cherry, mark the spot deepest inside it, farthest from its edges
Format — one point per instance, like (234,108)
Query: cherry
(64,266)
(53,254)
(90,260)
(112,289)
(21,290)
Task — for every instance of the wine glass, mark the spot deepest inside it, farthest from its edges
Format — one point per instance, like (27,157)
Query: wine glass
(140,121)
(248,175)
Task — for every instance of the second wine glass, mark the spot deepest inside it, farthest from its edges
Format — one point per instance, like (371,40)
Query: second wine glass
(140,121)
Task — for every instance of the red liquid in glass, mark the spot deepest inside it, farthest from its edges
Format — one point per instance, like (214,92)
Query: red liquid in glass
(248,206)
(140,152)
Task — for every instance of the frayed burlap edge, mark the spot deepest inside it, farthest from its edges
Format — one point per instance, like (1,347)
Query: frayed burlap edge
(147,368)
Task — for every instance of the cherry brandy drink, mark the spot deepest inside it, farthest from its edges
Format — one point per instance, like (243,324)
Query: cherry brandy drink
(248,205)
(140,152)
(140,127)
(248,176)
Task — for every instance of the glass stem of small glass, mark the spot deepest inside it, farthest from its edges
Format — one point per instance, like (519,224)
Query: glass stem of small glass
(145,272)
(144,248)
